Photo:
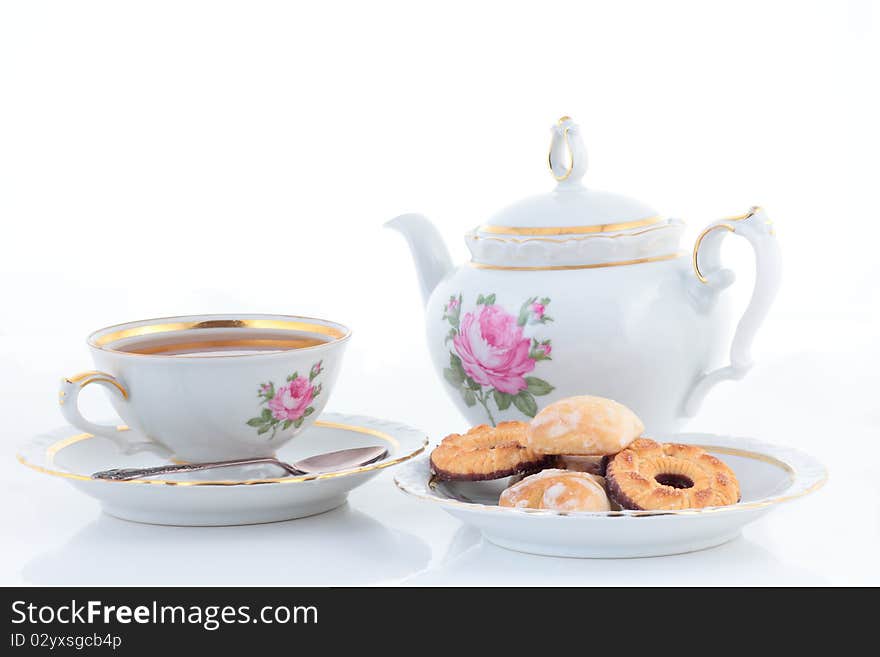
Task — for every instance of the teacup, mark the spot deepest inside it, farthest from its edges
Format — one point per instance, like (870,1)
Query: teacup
(211,387)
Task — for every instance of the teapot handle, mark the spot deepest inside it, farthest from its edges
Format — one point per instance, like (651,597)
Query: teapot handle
(758,230)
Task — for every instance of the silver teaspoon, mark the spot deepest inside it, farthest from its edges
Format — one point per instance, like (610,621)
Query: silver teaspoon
(327,462)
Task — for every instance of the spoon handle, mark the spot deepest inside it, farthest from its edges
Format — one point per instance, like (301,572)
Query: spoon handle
(127,474)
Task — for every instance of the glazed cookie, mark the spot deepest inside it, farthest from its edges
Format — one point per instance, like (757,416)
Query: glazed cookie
(585,426)
(559,490)
(486,452)
(652,476)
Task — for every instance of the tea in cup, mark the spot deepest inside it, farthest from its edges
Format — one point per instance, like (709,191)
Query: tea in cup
(210,387)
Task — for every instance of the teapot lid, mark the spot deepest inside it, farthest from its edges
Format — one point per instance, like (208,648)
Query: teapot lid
(571,207)
(572,226)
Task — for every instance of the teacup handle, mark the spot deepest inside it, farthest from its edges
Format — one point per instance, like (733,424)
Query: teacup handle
(758,230)
(68,397)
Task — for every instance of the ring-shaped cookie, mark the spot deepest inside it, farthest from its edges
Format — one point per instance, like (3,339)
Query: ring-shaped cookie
(649,475)
(486,452)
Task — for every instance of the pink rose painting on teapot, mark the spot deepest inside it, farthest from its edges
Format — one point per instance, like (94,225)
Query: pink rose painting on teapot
(491,357)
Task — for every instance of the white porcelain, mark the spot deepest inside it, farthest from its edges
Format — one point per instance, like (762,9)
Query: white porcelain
(231,496)
(768,475)
(224,403)
(580,291)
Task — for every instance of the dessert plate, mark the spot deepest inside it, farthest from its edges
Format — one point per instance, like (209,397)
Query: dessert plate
(768,475)
(228,496)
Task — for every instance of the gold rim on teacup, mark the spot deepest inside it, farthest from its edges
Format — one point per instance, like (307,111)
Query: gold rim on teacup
(330,332)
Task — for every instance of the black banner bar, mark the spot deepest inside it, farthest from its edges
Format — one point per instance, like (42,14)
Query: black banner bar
(128,620)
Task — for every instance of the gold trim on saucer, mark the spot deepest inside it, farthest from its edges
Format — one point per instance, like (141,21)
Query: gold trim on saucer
(569,230)
(351,427)
(56,447)
(598,265)
(749,454)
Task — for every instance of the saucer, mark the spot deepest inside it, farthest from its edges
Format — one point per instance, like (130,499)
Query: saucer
(768,475)
(227,496)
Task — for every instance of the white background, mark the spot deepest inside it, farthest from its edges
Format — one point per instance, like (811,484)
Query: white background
(183,157)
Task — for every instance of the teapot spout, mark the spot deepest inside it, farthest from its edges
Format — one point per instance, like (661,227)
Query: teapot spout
(429,252)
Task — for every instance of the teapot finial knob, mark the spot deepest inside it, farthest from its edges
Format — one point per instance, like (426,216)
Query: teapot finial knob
(568,155)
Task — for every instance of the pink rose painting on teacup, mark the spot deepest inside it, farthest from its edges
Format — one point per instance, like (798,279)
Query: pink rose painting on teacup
(492,358)
(287,405)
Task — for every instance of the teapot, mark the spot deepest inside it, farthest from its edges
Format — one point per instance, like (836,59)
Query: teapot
(580,291)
